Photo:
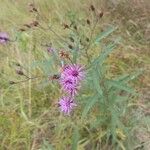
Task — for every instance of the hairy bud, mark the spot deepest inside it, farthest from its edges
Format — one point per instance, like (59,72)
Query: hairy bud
(71,39)
(101,14)
(92,8)
(19,72)
(88,21)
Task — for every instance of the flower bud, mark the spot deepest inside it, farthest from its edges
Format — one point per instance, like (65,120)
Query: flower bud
(70,46)
(88,21)
(101,14)
(19,72)
(71,39)
(92,8)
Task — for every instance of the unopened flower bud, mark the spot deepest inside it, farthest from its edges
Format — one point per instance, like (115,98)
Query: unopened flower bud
(88,21)
(92,8)
(101,14)
(75,27)
(19,72)
(70,46)
(71,39)
(87,39)
(27,25)
(22,29)
(65,26)
(17,64)
(34,23)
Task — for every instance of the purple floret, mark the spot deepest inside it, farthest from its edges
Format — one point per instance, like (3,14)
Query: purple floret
(77,72)
(4,38)
(66,105)
(69,85)
(50,49)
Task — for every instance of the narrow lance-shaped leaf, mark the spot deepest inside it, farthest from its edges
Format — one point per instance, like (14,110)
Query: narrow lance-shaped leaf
(104,34)
(90,103)
(121,86)
(96,81)
(106,51)
(75,138)
(128,77)
(46,146)
(75,54)
(104,54)
(45,65)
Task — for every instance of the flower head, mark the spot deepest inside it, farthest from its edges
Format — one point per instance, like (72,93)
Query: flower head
(76,72)
(50,49)
(4,38)
(69,85)
(66,105)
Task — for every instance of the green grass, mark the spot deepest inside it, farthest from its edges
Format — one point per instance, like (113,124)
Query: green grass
(29,117)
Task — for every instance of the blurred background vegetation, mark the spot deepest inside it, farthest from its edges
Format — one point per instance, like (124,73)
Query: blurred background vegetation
(28,111)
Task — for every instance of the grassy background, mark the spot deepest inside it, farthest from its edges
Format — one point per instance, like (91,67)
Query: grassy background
(28,111)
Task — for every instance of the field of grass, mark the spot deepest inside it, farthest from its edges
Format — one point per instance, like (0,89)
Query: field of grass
(29,114)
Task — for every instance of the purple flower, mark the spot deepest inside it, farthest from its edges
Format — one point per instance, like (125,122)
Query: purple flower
(4,38)
(66,105)
(69,85)
(74,71)
(50,49)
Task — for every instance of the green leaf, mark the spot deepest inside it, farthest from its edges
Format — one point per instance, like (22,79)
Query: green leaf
(126,78)
(46,146)
(75,138)
(75,54)
(96,81)
(104,54)
(100,120)
(104,34)
(23,40)
(90,103)
(45,65)
(107,50)
(120,86)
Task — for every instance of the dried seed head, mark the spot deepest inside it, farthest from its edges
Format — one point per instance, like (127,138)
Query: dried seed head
(92,8)
(64,55)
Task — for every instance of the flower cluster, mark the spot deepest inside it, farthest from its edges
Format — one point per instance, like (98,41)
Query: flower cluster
(70,81)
